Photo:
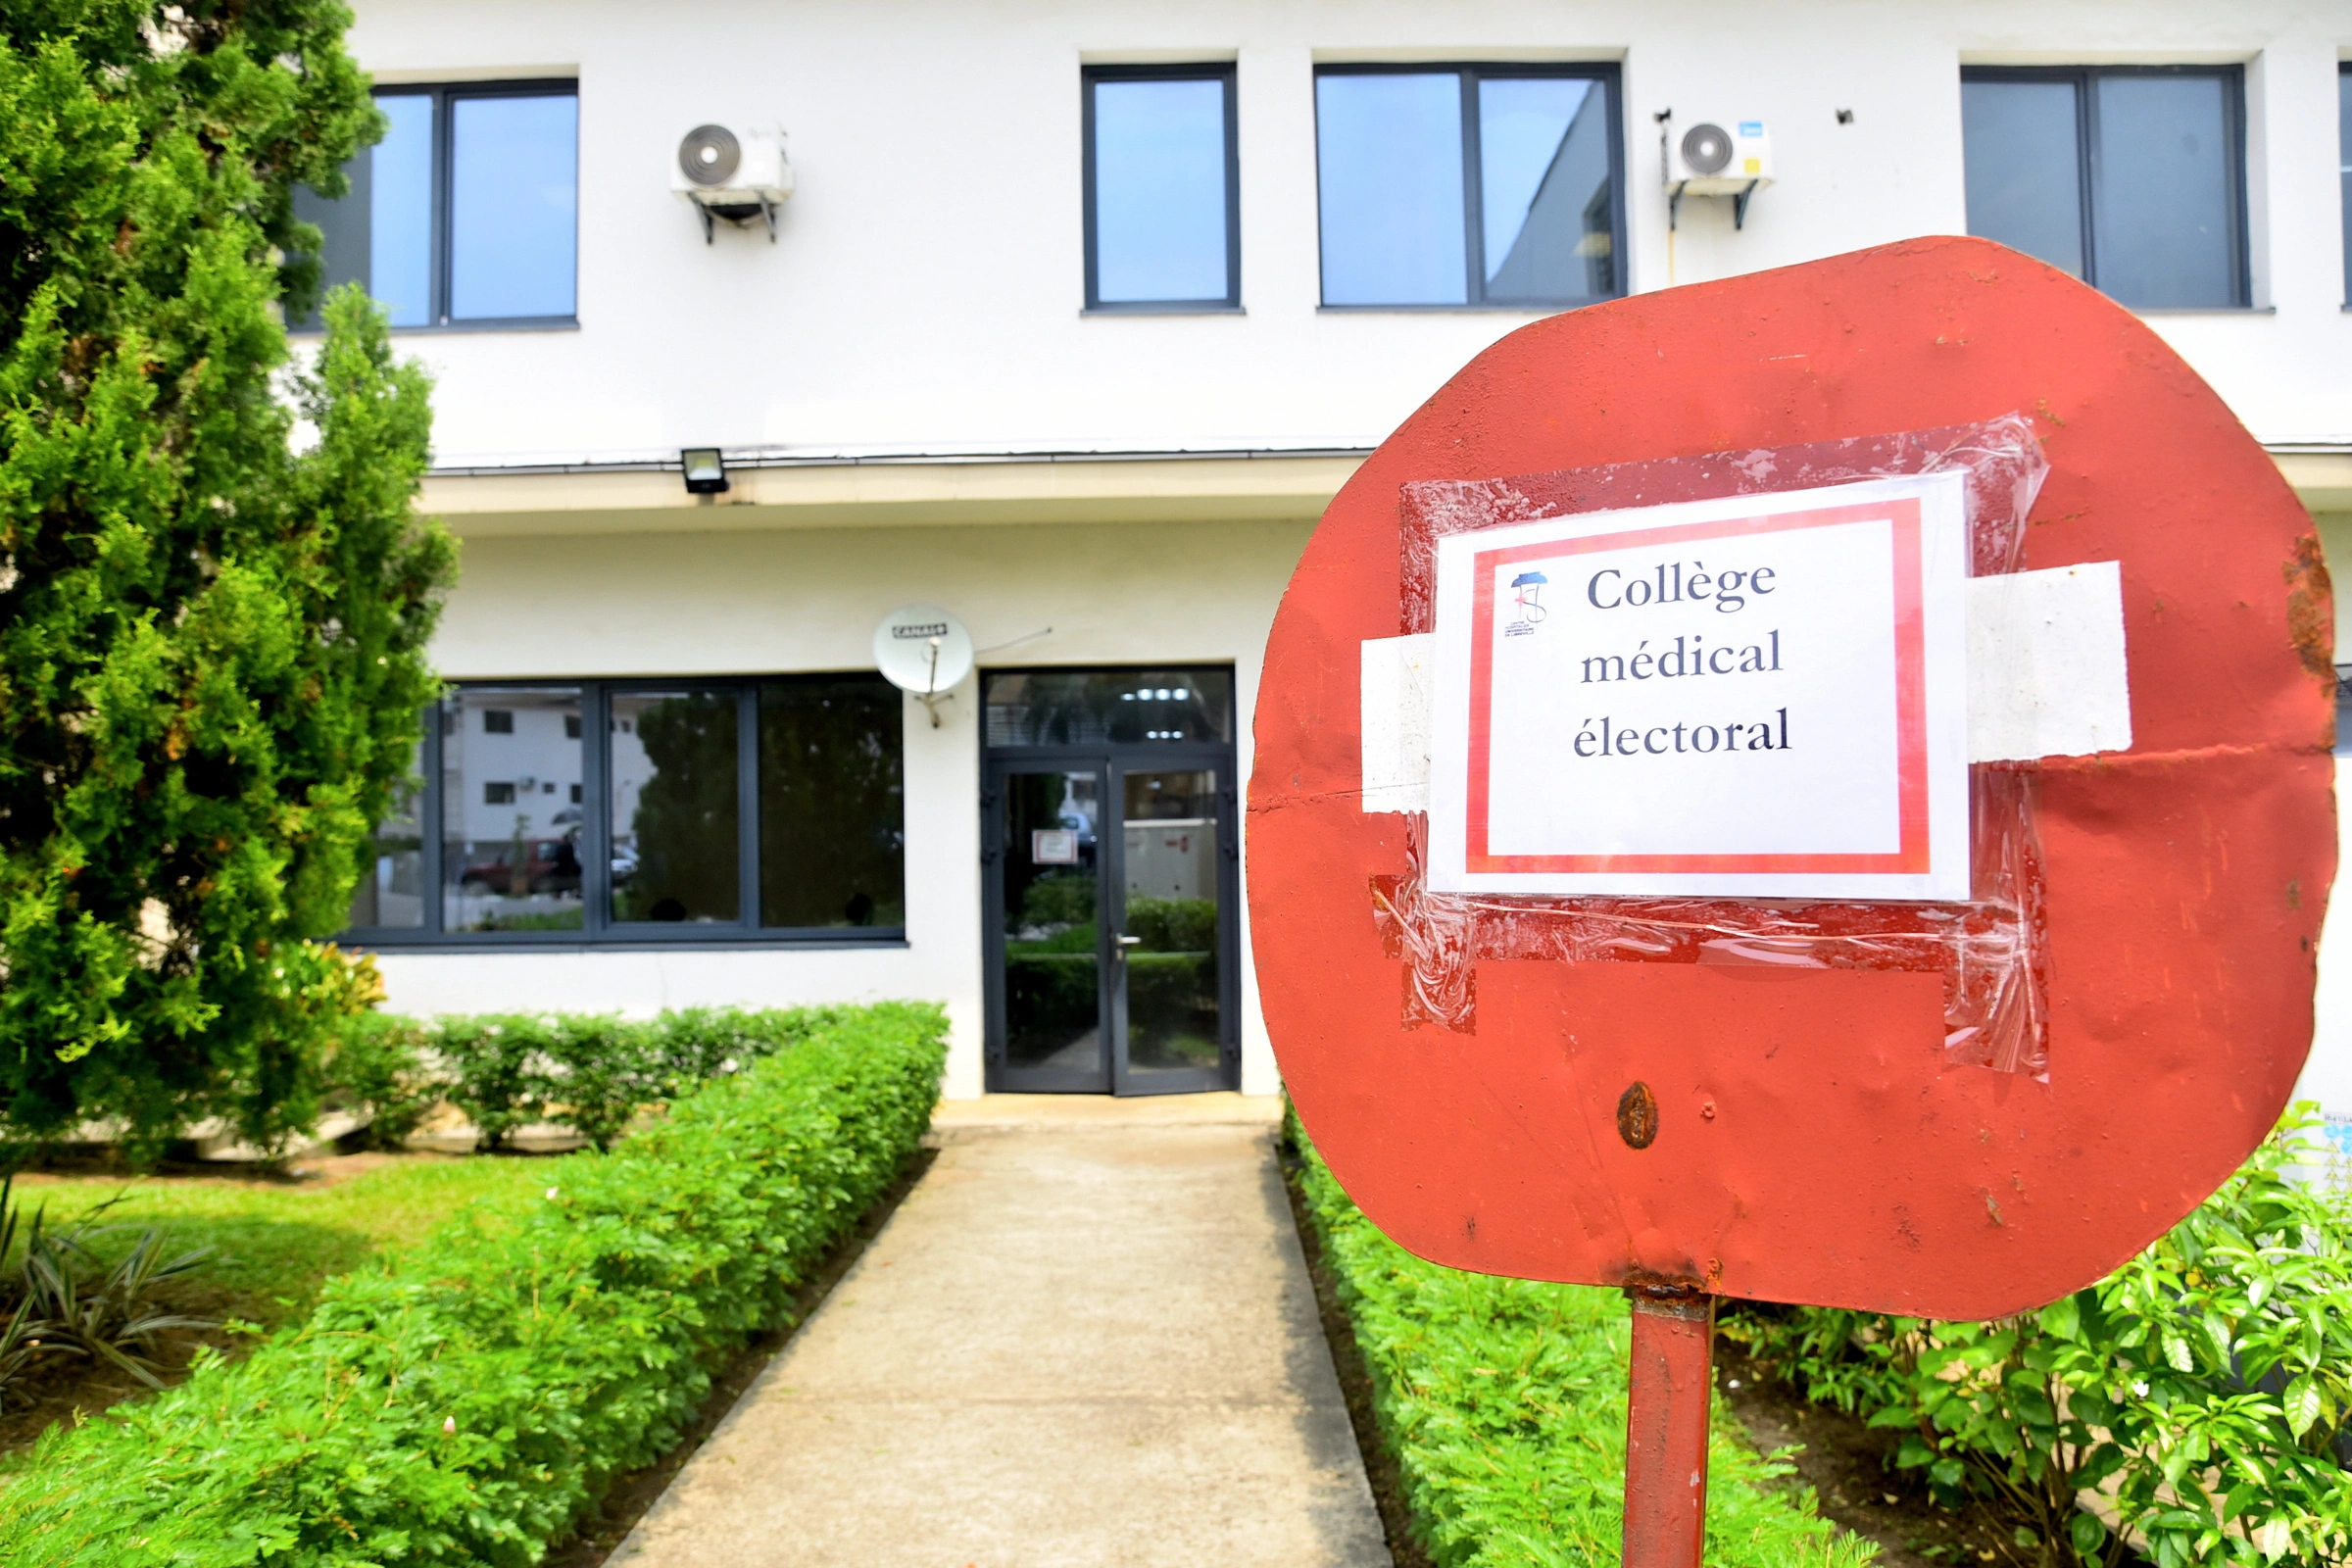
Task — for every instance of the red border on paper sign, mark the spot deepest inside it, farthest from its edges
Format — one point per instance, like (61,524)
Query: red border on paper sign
(1910,697)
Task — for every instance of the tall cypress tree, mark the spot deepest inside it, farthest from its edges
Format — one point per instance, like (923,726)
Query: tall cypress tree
(214,595)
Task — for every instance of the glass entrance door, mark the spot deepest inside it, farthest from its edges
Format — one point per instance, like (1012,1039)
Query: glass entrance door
(1054,1021)
(1170,988)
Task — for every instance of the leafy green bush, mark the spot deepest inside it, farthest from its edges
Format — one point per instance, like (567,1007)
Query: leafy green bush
(468,1404)
(214,634)
(1504,1403)
(591,1072)
(2207,1384)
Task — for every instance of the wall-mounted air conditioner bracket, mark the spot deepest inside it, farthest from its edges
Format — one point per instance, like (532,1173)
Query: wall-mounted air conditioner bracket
(737,212)
(1739,201)
(1739,204)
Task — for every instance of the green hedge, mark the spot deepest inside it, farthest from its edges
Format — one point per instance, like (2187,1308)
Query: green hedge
(1504,1401)
(2206,1385)
(468,1404)
(591,1072)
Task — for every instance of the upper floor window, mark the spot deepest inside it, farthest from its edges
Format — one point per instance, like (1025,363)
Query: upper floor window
(1469,185)
(467,212)
(2131,177)
(2343,157)
(1162,196)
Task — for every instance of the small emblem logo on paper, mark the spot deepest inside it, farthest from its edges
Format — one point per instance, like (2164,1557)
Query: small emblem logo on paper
(1528,586)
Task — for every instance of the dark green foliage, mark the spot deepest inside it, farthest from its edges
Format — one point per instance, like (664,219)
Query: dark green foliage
(829,755)
(211,646)
(1504,1401)
(468,1404)
(685,825)
(591,1072)
(2207,1383)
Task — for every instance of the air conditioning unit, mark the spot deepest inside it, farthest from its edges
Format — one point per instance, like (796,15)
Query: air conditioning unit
(734,174)
(1718,157)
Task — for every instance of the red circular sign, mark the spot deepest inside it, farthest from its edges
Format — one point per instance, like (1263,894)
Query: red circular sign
(1804,1135)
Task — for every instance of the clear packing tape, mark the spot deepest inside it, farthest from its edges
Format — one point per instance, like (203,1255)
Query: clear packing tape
(1991,950)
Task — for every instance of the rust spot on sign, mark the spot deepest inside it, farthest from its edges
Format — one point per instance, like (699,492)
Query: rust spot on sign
(1638,1116)
(2311,606)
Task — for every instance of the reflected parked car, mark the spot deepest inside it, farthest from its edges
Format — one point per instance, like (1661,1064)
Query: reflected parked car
(553,867)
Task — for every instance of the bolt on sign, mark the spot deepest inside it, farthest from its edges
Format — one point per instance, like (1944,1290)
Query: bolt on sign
(1813,788)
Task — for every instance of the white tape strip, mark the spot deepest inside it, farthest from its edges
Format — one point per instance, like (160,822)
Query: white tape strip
(2046,677)
(2047,673)
(1396,707)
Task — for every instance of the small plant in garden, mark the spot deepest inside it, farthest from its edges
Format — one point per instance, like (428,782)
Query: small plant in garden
(2207,1385)
(67,1301)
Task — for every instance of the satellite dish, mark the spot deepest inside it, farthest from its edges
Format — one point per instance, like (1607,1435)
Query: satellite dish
(923,649)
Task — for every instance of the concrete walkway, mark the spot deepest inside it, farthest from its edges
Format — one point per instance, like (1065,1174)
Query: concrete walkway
(1087,1338)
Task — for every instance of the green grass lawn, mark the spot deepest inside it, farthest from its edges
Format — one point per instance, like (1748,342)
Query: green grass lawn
(275,1242)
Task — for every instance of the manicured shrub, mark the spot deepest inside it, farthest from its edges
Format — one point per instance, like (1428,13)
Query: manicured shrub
(591,1072)
(470,1403)
(1504,1401)
(2207,1384)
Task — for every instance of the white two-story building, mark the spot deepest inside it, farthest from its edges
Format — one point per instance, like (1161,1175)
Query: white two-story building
(1074,318)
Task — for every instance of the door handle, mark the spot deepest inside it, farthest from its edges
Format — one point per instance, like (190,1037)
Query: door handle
(1128,942)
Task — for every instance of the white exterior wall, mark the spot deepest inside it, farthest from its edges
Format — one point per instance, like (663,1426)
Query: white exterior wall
(924,298)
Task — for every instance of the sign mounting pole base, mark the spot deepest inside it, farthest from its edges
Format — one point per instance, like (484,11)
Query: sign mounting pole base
(1669,1391)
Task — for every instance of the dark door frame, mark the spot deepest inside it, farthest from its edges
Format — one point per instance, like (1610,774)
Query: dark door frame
(1113,764)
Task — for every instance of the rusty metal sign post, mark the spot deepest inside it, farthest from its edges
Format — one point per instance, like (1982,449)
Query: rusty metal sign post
(1811,788)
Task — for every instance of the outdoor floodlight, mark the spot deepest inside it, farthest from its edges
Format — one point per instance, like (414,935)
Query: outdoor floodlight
(706,474)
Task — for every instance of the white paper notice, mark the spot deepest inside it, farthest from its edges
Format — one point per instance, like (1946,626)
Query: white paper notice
(1763,695)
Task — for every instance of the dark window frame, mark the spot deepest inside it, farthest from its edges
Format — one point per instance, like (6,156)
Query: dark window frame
(598,928)
(445,95)
(1220,72)
(2087,159)
(1474,238)
(2344,161)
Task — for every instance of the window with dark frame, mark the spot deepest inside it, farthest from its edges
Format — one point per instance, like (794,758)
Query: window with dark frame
(1162,188)
(466,212)
(1469,186)
(767,808)
(2131,177)
(2343,157)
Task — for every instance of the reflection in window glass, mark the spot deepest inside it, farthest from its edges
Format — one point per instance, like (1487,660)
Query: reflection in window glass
(512,204)
(1124,708)
(1389,168)
(2155,151)
(1160,170)
(1546,207)
(400,211)
(675,821)
(1171,856)
(509,836)
(832,820)
(2166,192)
(390,893)
(380,233)
(2024,158)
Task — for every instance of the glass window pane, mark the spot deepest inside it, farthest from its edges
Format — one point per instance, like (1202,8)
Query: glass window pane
(675,807)
(1159,190)
(2343,145)
(1548,217)
(2022,145)
(1052,933)
(512,202)
(2165,206)
(832,817)
(509,832)
(1389,166)
(1117,706)
(390,895)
